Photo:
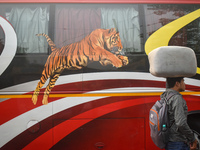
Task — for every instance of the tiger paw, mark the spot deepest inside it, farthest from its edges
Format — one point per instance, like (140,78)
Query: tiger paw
(124,59)
(116,62)
(34,99)
(45,100)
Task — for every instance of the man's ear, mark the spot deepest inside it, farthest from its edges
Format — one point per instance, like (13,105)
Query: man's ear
(177,84)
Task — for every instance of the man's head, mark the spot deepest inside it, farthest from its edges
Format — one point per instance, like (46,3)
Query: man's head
(177,84)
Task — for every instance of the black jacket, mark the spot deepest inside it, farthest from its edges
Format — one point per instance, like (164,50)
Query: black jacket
(177,111)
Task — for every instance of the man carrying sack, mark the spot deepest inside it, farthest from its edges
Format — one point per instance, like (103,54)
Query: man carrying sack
(174,63)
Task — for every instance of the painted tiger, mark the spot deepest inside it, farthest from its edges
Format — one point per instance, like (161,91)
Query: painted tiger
(96,46)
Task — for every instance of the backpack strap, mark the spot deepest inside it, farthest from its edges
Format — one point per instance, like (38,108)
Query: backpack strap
(166,98)
(170,95)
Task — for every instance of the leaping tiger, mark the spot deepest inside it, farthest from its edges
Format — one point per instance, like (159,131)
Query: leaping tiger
(96,46)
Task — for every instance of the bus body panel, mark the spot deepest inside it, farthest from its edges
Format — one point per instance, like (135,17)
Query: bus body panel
(95,105)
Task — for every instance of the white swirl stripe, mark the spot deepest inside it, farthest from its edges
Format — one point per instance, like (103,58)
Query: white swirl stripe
(10,44)
(17,125)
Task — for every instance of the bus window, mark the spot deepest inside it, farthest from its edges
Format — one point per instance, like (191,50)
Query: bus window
(160,15)
(74,21)
(188,36)
(28,20)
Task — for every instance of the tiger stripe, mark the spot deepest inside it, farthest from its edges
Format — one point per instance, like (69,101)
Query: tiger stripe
(77,55)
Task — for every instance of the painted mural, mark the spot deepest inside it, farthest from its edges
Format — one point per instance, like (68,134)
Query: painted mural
(101,45)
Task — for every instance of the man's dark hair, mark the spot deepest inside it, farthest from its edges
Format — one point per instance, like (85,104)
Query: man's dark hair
(170,82)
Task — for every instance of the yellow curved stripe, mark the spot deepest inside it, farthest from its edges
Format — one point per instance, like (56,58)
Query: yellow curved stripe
(98,94)
(163,35)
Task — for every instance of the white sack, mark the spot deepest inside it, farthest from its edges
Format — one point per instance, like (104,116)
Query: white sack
(172,61)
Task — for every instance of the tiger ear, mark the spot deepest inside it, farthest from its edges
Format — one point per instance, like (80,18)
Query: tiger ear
(112,30)
(109,32)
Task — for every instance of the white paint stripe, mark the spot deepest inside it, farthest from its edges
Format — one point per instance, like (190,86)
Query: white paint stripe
(10,47)
(17,125)
(30,86)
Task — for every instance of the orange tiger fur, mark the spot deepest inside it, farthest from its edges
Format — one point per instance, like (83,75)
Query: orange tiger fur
(97,46)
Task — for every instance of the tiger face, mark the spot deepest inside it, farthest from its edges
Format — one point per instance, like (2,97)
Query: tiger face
(113,41)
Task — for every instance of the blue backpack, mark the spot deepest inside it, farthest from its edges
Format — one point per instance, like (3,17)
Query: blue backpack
(159,122)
